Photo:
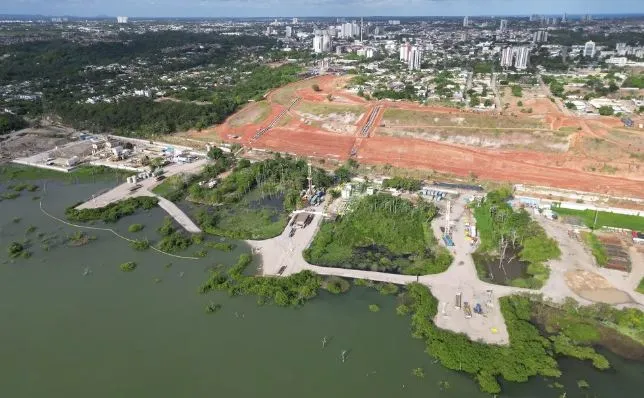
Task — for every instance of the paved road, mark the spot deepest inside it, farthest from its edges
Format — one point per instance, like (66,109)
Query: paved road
(461,276)
(123,191)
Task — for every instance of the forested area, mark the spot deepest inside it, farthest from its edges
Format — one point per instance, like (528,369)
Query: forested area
(381,233)
(67,73)
(508,235)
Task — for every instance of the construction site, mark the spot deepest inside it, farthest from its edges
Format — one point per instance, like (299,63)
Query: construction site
(319,118)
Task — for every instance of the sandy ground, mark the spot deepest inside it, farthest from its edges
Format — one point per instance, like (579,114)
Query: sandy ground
(563,166)
(30,141)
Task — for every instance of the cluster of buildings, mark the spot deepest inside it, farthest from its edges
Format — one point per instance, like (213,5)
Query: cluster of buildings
(515,56)
(411,55)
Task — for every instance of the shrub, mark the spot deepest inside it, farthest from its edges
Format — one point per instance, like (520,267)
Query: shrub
(135,227)
(336,285)
(128,267)
(374,308)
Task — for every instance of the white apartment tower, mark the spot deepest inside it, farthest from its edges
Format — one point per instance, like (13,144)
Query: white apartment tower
(415,58)
(295,21)
(322,42)
(466,22)
(121,19)
(405,51)
(589,49)
(503,25)
(522,57)
(506,57)
(540,36)
(289,31)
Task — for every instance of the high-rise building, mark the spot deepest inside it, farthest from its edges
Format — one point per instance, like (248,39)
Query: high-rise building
(295,21)
(326,42)
(540,36)
(589,49)
(522,57)
(289,31)
(394,22)
(121,19)
(405,50)
(564,19)
(503,26)
(620,49)
(346,30)
(466,21)
(506,57)
(317,44)
(415,58)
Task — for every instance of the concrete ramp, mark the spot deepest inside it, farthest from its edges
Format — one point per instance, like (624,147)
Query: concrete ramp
(179,216)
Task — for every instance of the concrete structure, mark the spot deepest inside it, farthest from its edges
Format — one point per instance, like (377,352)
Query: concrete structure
(466,22)
(415,58)
(122,20)
(503,25)
(289,32)
(589,49)
(507,56)
(322,42)
(540,36)
(405,50)
(522,57)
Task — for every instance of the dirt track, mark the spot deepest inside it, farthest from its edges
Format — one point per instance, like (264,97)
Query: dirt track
(557,170)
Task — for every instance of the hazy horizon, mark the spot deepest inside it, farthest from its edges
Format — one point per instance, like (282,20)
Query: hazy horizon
(314,8)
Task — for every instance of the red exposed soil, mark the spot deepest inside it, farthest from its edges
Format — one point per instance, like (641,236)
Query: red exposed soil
(556,170)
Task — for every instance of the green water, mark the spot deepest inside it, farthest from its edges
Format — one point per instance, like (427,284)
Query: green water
(117,334)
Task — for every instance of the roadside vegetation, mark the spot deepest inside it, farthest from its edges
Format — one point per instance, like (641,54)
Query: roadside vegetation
(596,247)
(290,291)
(135,227)
(112,212)
(381,233)
(514,248)
(604,219)
(640,287)
(254,201)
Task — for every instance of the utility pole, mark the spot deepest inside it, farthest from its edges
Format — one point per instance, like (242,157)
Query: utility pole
(595,222)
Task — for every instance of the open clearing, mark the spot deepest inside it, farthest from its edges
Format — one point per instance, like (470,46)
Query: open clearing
(546,147)
(405,117)
(253,113)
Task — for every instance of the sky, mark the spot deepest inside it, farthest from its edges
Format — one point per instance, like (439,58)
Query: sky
(294,8)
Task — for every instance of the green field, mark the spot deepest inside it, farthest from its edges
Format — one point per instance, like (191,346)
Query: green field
(640,287)
(381,233)
(16,172)
(461,119)
(604,219)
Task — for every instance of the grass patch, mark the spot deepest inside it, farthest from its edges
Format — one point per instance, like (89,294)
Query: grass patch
(374,308)
(392,117)
(382,233)
(221,246)
(640,287)
(596,247)
(604,219)
(336,285)
(252,114)
(15,172)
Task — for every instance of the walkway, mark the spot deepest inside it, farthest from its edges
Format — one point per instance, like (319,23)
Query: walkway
(123,192)
(461,277)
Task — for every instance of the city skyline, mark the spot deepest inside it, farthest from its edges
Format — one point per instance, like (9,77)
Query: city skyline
(313,8)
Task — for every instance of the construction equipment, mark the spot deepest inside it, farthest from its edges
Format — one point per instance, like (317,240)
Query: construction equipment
(478,309)
(459,297)
(467,310)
